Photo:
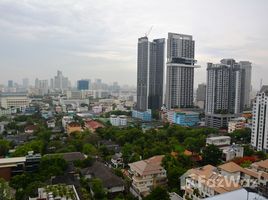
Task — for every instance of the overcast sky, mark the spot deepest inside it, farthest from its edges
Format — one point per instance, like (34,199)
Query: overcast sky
(98,38)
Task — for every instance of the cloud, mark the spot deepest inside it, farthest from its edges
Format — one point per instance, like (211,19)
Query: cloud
(95,38)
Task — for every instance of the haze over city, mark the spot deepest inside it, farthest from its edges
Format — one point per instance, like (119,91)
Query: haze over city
(98,39)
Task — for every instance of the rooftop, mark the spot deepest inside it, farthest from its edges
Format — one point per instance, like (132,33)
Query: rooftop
(237,194)
(149,166)
(11,161)
(101,171)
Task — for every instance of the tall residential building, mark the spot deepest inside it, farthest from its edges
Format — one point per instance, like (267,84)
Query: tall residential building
(180,71)
(225,87)
(259,133)
(225,97)
(246,65)
(150,73)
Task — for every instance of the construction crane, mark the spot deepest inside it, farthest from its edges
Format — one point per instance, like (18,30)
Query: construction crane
(149,31)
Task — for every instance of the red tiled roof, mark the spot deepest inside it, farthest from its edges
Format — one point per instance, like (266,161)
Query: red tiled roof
(93,124)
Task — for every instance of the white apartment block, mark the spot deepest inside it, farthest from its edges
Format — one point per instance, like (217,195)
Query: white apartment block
(219,141)
(259,133)
(120,120)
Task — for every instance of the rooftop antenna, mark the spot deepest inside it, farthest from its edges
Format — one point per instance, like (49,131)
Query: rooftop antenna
(149,31)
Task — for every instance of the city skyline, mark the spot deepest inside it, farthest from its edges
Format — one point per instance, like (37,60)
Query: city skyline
(42,37)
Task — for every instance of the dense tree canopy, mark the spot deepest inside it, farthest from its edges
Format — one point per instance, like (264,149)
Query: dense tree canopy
(211,155)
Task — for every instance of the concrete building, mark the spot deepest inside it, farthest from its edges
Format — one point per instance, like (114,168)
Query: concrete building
(201,95)
(25,83)
(259,132)
(219,141)
(150,73)
(197,183)
(42,86)
(120,120)
(14,100)
(183,118)
(218,120)
(209,181)
(57,192)
(226,83)
(142,115)
(146,175)
(60,82)
(237,124)
(247,82)
(180,71)
(229,152)
(10,83)
(83,84)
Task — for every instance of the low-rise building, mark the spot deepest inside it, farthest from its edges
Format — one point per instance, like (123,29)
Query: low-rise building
(57,192)
(97,109)
(146,175)
(117,160)
(209,181)
(73,127)
(51,123)
(30,129)
(219,141)
(120,120)
(142,115)
(65,121)
(218,120)
(14,100)
(112,183)
(237,124)
(93,125)
(10,167)
(183,118)
(205,182)
(224,143)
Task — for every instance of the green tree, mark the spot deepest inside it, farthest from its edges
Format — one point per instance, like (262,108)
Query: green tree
(211,155)
(5,191)
(158,193)
(89,149)
(36,145)
(248,151)
(4,147)
(98,190)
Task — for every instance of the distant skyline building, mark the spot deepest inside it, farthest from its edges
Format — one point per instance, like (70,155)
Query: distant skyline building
(201,95)
(42,86)
(61,82)
(10,83)
(25,83)
(180,71)
(259,133)
(83,84)
(150,73)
